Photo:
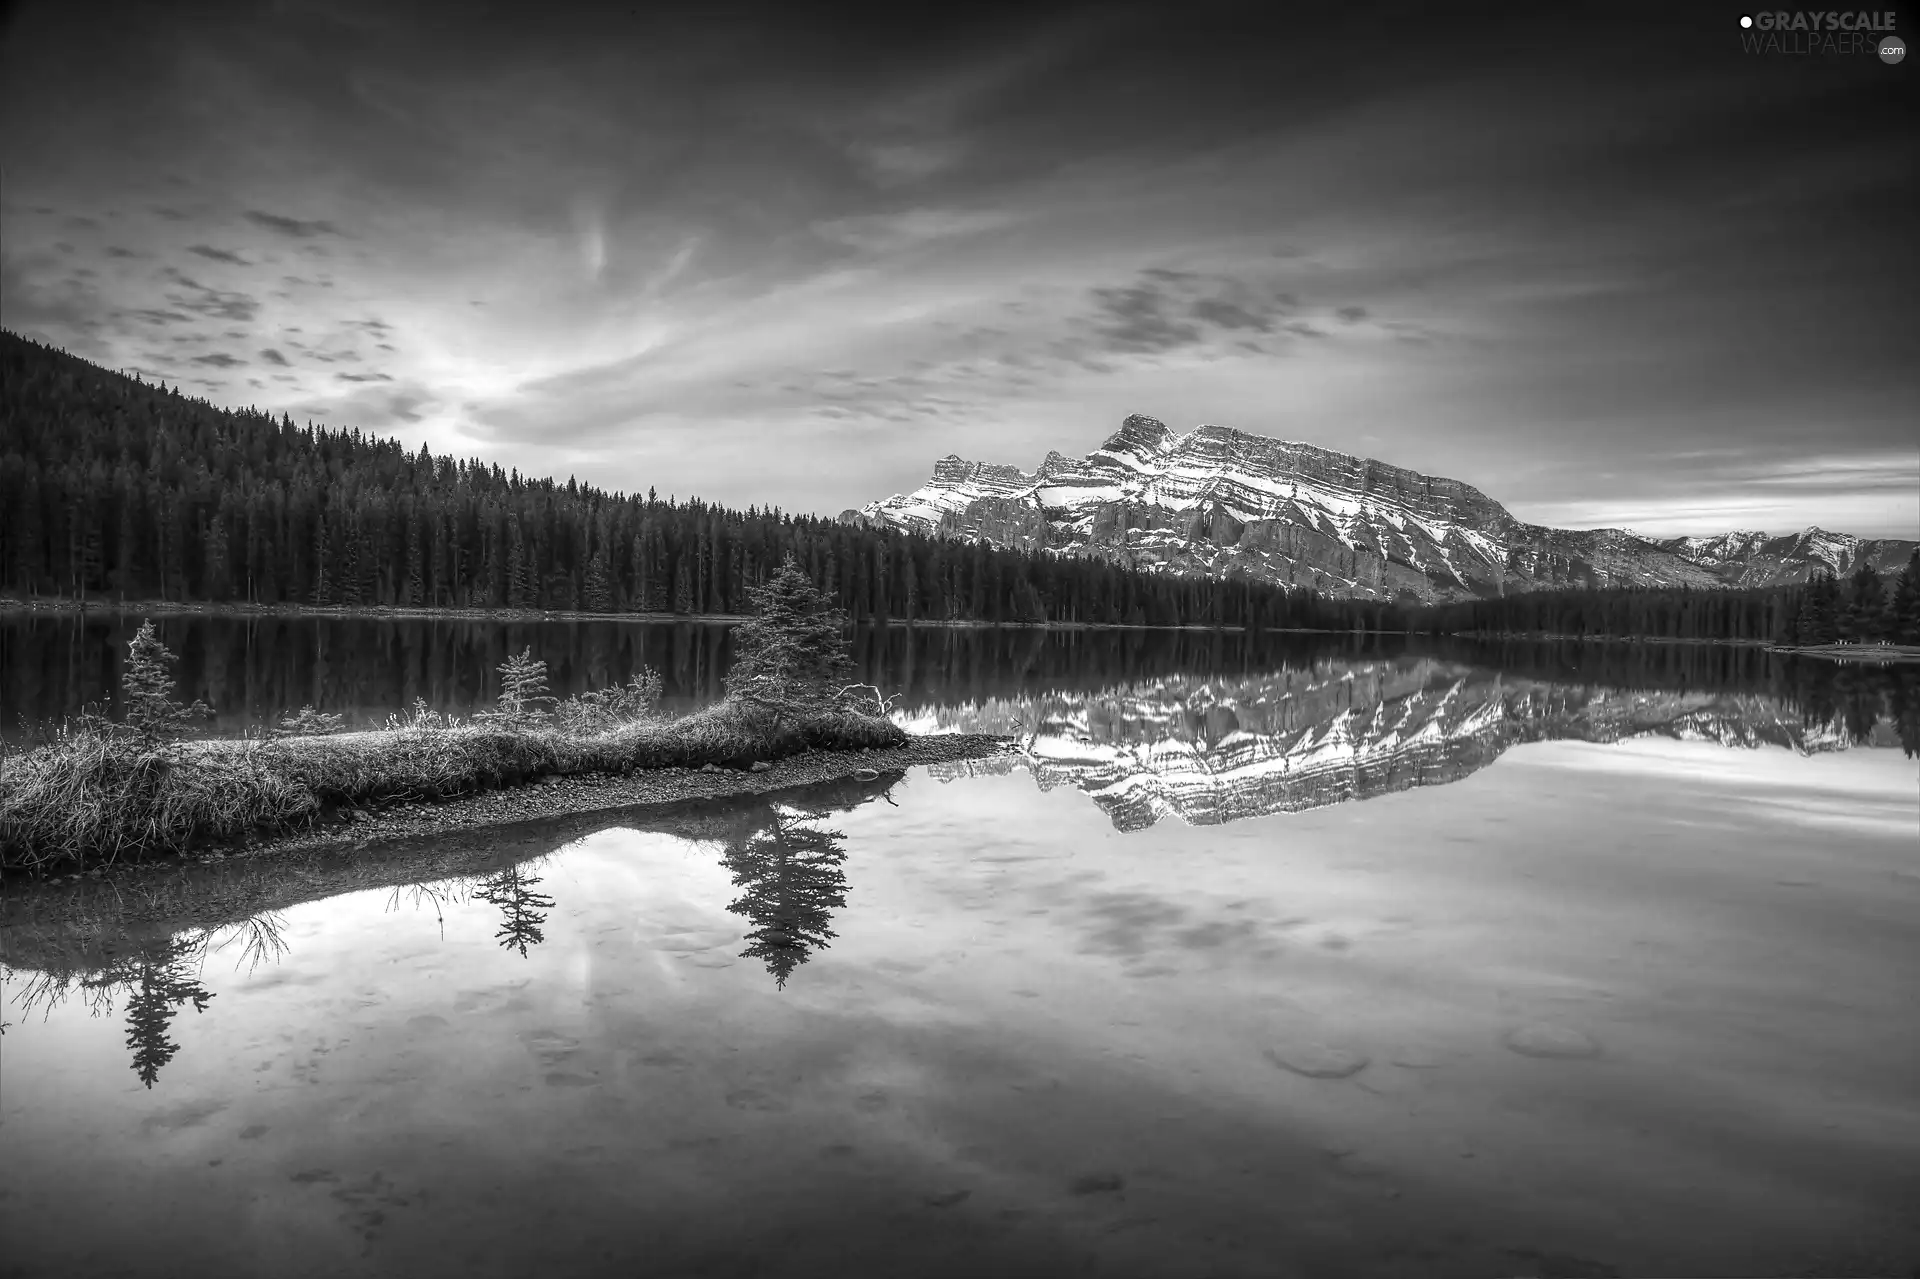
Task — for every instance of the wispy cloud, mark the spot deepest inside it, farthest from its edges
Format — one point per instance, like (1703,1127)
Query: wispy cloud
(217,255)
(1873,494)
(297,228)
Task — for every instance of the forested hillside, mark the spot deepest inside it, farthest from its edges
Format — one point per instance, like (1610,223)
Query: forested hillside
(117,488)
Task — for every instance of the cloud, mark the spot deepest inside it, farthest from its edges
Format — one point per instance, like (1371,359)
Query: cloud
(295,227)
(1229,315)
(1135,318)
(116,251)
(153,315)
(1164,310)
(363,377)
(216,303)
(1711,490)
(218,255)
(63,311)
(219,360)
(272,356)
(911,228)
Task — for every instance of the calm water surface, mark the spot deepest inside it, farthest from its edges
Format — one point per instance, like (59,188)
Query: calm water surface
(1357,964)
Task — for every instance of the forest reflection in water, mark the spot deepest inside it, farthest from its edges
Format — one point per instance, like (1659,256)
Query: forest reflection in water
(100,945)
(1327,728)
(254,670)
(1203,750)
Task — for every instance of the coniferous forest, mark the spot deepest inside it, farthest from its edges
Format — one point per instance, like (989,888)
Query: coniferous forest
(1866,608)
(114,488)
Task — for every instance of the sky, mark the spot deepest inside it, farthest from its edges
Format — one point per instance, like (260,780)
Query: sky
(1609,266)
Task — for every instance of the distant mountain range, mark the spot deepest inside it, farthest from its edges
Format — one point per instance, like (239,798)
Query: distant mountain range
(1217,500)
(1212,750)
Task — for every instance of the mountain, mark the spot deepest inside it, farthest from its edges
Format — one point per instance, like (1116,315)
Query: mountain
(1758,559)
(1217,501)
(1212,751)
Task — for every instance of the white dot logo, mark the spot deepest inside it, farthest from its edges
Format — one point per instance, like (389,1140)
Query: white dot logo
(1892,49)
(1746,22)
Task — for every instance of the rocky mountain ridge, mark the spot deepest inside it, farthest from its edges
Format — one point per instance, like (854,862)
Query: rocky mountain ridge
(1217,500)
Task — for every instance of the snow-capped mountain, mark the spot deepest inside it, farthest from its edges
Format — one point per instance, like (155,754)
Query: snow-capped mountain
(1217,499)
(1757,559)
(1211,751)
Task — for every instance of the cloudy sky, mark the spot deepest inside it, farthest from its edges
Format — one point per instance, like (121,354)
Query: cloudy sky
(1611,269)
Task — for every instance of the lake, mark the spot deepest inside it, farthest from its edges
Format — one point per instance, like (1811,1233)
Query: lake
(1264,956)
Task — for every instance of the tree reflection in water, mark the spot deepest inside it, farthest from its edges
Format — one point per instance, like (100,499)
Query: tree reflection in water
(522,909)
(162,985)
(790,880)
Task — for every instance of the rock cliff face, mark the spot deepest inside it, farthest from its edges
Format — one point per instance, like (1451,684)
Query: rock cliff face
(1217,751)
(1217,499)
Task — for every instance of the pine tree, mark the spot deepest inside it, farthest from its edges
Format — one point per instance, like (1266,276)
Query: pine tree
(213,559)
(1866,605)
(523,686)
(793,652)
(519,573)
(682,587)
(147,686)
(1821,623)
(598,590)
(1904,609)
(323,566)
(1027,604)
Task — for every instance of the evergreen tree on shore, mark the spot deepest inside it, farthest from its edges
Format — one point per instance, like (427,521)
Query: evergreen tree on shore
(1903,608)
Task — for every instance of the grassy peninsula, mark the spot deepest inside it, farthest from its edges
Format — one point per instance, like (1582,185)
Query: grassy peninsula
(105,791)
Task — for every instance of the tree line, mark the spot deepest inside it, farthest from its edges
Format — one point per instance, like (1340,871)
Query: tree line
(115,488)
(1867,608)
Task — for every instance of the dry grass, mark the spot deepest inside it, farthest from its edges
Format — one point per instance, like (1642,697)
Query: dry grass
(89,798)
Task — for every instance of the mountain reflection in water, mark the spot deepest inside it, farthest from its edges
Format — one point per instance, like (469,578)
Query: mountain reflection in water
(1219,749)
(1618,1004)
(1207,750)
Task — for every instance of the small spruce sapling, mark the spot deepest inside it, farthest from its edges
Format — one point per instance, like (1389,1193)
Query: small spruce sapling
(147,686)
(523,685)
(309,722)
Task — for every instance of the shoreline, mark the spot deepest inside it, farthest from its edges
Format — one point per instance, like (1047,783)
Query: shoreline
(76,923)
(1556,637)
(1871,654)
(64,606)
(377,825)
